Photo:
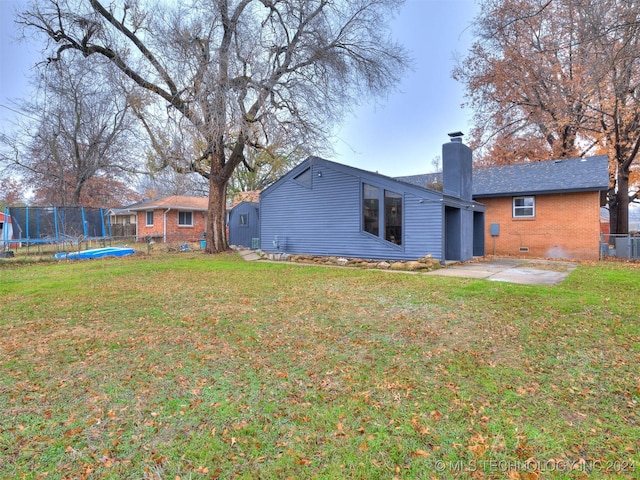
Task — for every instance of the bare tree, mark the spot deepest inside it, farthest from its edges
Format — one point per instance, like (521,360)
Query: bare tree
(261,168)
(615,106)
(558,78)
(167,182)
(73,142)
(220,77)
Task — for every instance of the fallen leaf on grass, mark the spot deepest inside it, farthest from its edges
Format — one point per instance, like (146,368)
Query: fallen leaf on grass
(420,453)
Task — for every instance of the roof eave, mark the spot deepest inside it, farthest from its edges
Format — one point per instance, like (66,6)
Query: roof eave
(540,192)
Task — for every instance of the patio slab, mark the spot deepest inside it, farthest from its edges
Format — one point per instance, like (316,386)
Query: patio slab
(512,270)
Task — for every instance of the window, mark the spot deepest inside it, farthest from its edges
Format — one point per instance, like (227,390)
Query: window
(150,218)
(370,209)
(524,207)
(304,178)
(185,219)
(244,220)
(393,217)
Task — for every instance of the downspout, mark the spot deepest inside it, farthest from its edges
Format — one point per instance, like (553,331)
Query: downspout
(164,224)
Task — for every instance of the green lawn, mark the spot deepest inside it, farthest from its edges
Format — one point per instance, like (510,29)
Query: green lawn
(191,366)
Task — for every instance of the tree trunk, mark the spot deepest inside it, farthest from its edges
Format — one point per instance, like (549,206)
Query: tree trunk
(622,202)
(613,216)
(216,216)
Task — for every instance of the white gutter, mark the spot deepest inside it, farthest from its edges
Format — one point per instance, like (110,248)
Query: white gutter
(164,224)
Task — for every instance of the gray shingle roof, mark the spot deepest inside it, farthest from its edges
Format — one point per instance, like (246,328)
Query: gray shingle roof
(555,176)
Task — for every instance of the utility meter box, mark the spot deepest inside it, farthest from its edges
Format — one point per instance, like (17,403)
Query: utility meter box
(494,229)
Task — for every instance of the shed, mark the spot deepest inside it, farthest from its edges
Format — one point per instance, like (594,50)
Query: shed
(244,225)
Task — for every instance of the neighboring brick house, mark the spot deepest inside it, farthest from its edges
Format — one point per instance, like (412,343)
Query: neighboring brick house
(541,209)
(172,219)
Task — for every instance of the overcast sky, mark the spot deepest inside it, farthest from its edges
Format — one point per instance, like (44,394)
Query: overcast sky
(400,135)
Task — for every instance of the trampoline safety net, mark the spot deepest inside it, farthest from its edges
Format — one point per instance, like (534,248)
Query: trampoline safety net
(57,224)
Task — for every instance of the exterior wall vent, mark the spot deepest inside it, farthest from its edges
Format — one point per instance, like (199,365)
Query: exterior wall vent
(524,249)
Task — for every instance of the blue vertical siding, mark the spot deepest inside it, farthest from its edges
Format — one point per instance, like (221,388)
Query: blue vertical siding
(239,234)
(423,226)
(326,219)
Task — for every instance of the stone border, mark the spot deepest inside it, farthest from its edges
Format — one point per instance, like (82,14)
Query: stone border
(423,264)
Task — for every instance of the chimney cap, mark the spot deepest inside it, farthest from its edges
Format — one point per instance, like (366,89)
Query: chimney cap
(453,135)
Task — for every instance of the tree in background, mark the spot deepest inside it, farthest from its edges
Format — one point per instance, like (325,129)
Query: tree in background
(216,79)
(99,191)
(261,168)
(168,182)
(12,192)
(557,79)
(73,144)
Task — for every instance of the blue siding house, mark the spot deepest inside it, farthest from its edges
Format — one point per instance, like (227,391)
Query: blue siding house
(244,224)
(326,208)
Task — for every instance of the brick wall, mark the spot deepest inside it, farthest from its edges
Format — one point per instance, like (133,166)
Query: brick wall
(565,226)
(174,232)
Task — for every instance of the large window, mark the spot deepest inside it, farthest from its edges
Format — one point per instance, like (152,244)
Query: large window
(524,207)
(391,215)
(185,219)
(371,209)
(150,218)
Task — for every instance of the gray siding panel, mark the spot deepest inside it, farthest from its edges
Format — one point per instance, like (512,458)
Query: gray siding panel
(242,235)
(423,227)
(326,219)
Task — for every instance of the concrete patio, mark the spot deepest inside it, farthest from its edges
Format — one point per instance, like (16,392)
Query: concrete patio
(512,270)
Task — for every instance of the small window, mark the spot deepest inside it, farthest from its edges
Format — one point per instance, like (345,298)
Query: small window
(185,219)
(524,207)
(150,218)
(304,178)
(244,219)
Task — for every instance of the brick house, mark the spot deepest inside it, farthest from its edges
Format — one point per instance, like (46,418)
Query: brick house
(171,219)
(541,209)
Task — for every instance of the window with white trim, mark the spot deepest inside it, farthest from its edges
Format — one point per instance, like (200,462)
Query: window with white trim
(185,219)
(150,218)
(524,207)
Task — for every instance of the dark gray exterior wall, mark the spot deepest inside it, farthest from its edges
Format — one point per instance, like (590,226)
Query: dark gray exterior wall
(242,234)
(478,234)
(459,239)
(326,219)
(457,169)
